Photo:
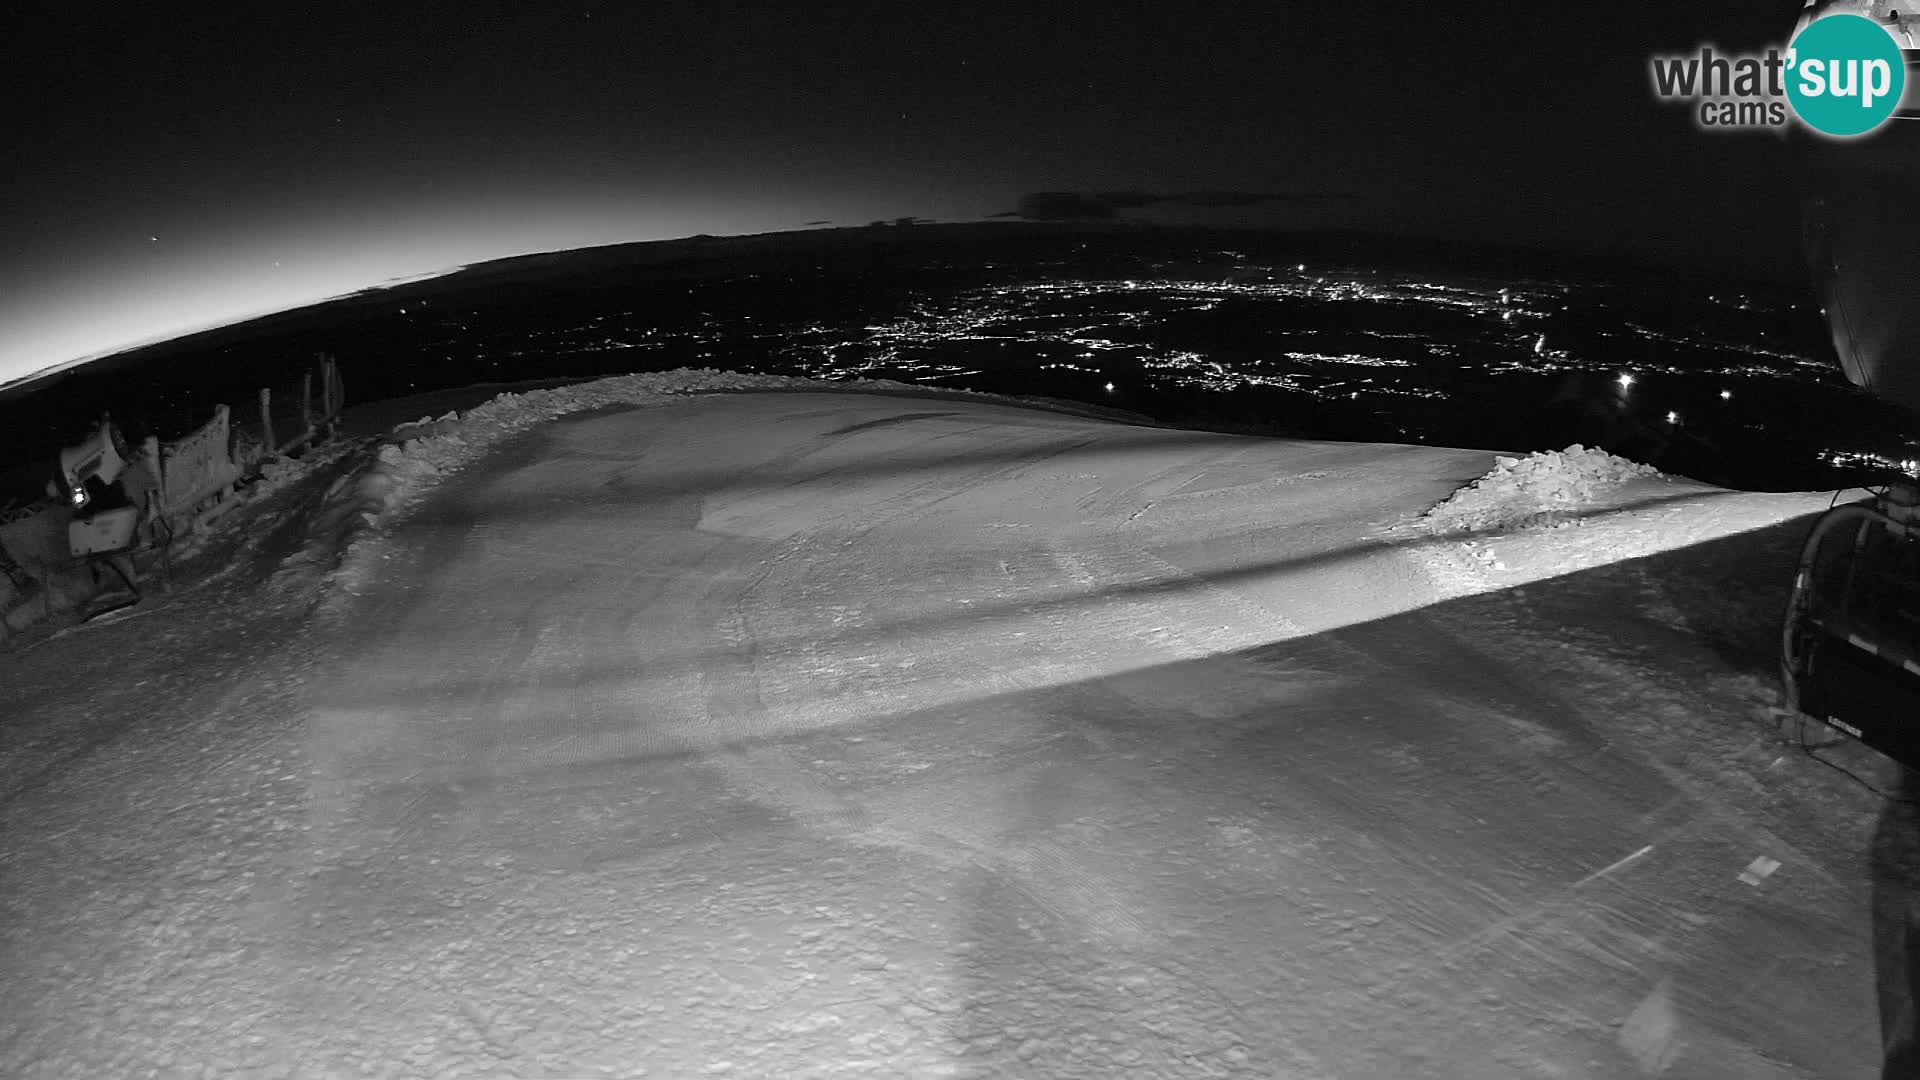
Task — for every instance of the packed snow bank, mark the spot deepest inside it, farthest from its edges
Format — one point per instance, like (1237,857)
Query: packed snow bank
(418,455)
(1546,490)
(427,449)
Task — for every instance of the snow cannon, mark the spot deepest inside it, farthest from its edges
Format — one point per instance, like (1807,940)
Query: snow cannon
(89,482)
(1850,649)
(105,520)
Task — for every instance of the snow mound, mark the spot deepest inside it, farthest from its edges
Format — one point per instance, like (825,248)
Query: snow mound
(1550,489)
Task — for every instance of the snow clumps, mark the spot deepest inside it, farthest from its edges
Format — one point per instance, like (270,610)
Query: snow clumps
(1544,490)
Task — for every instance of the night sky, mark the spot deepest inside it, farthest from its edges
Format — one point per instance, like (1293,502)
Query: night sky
(174,169)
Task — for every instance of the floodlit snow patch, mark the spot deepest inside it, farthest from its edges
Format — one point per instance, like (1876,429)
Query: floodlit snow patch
(1544,490)
(1561,512)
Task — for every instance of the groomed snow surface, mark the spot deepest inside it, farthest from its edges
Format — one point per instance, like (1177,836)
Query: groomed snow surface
(707,725)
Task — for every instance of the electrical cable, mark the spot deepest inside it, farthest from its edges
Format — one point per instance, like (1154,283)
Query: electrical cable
(1808,749)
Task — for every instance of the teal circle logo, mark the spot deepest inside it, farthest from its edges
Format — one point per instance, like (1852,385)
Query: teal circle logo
(1845,75)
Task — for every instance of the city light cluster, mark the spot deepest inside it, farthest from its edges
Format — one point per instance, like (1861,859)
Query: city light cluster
(1193,325)
(1867,459)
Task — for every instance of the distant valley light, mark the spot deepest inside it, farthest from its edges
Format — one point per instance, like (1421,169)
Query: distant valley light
(1190,338)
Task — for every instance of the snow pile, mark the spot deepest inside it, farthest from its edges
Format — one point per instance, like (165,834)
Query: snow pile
(1546,490)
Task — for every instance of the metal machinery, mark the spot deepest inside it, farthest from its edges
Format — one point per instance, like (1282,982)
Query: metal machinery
(1850,650)
(105,521)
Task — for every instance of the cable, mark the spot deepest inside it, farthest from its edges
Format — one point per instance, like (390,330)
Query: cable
(1808,749)
(1879,494)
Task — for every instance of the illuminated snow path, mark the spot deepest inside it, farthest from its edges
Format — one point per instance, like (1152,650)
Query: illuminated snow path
(797,735)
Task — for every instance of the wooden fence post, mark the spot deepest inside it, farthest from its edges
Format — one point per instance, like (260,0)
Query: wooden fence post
(306,403)
(266,422)
(334,393)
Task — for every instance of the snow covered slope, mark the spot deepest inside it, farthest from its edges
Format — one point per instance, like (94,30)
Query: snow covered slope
(821,734)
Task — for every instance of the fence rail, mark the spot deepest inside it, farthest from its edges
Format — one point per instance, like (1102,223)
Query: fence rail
(197,467)
(179,485)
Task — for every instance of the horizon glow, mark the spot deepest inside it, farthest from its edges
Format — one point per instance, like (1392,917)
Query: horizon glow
(105,295)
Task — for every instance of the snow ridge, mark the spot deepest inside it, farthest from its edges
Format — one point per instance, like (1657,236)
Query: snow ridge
(422,453)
